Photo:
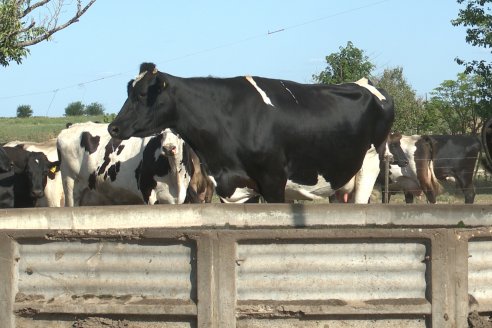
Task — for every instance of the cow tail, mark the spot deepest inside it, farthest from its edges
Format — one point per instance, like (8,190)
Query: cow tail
(425,169)
(436,185)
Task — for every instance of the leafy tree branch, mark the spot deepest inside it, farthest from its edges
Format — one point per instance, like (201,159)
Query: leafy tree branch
(20,29)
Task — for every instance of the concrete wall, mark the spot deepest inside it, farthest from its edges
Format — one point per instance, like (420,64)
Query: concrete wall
(217,265)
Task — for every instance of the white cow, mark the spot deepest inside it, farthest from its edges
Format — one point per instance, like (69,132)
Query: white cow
(53,192)
(98,170)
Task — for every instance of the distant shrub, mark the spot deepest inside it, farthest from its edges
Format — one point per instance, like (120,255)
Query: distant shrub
(24,111)
(94,109)
(75,109)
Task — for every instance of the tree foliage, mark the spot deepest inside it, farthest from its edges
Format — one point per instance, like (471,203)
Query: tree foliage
(458,105)
(476,16)
(410,115)
(24,111)
(25,23)
(348,65)
(94,109)
(75,109)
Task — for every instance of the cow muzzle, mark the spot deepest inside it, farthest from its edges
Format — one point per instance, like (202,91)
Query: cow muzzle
(37,193)
(170,150)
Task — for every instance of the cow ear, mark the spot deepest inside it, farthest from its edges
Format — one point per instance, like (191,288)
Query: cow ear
(161,80)
(53,168)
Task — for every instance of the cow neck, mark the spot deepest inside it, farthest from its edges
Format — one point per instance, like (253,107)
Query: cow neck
(201,122)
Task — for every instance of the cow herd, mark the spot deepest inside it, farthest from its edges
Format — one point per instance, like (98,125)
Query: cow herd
(179,140)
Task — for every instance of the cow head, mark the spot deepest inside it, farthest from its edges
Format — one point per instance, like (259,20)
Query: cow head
(148,105)
(394,147)
(393,150)
(38,169)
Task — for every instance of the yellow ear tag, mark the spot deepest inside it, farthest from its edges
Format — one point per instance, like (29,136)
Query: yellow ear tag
(53,170)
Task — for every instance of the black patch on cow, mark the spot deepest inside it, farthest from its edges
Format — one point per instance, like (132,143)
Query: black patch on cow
(92,180)
(110,147)
(159,167)
(187,161)
(7,189)
(149,167)
(89,142)
(113,170)
(145,182)
(137,174)
(120,149)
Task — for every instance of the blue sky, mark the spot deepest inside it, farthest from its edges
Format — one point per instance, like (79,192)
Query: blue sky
(92,60)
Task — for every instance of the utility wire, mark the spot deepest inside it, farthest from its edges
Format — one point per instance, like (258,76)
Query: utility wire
(199,52)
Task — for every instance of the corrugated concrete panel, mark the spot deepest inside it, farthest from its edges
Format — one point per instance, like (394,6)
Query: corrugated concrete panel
(292,323)
(68,269)
(344,271)
(480,274)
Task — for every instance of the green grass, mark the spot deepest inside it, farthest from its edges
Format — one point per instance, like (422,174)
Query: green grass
(38,128)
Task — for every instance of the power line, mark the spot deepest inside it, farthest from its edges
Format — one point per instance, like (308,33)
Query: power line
(199,52)
(62,88)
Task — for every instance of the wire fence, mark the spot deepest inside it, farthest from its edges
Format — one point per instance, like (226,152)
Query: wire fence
(481,178)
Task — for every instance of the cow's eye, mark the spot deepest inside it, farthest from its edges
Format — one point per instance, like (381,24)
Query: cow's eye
(142,95)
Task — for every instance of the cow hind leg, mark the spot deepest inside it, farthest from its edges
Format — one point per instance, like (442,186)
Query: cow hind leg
(273,189)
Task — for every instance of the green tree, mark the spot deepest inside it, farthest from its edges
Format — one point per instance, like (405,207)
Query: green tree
(75,109)
(477,17)
(410,116)
(24,111)
(348,65)
(24,23)
(94,109)
(458,105)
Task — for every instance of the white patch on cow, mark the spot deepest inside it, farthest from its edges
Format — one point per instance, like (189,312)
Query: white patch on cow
(365,84)
(294,191)
(138,78)
(213,180)
(37,161)
(240,195)
(291,93)
(262,93)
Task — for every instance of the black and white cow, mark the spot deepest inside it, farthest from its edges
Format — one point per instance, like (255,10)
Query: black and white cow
(6,180)
(257,132)
(486,138)
(31,175)
(53,192)
(434,158)
(100,170)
